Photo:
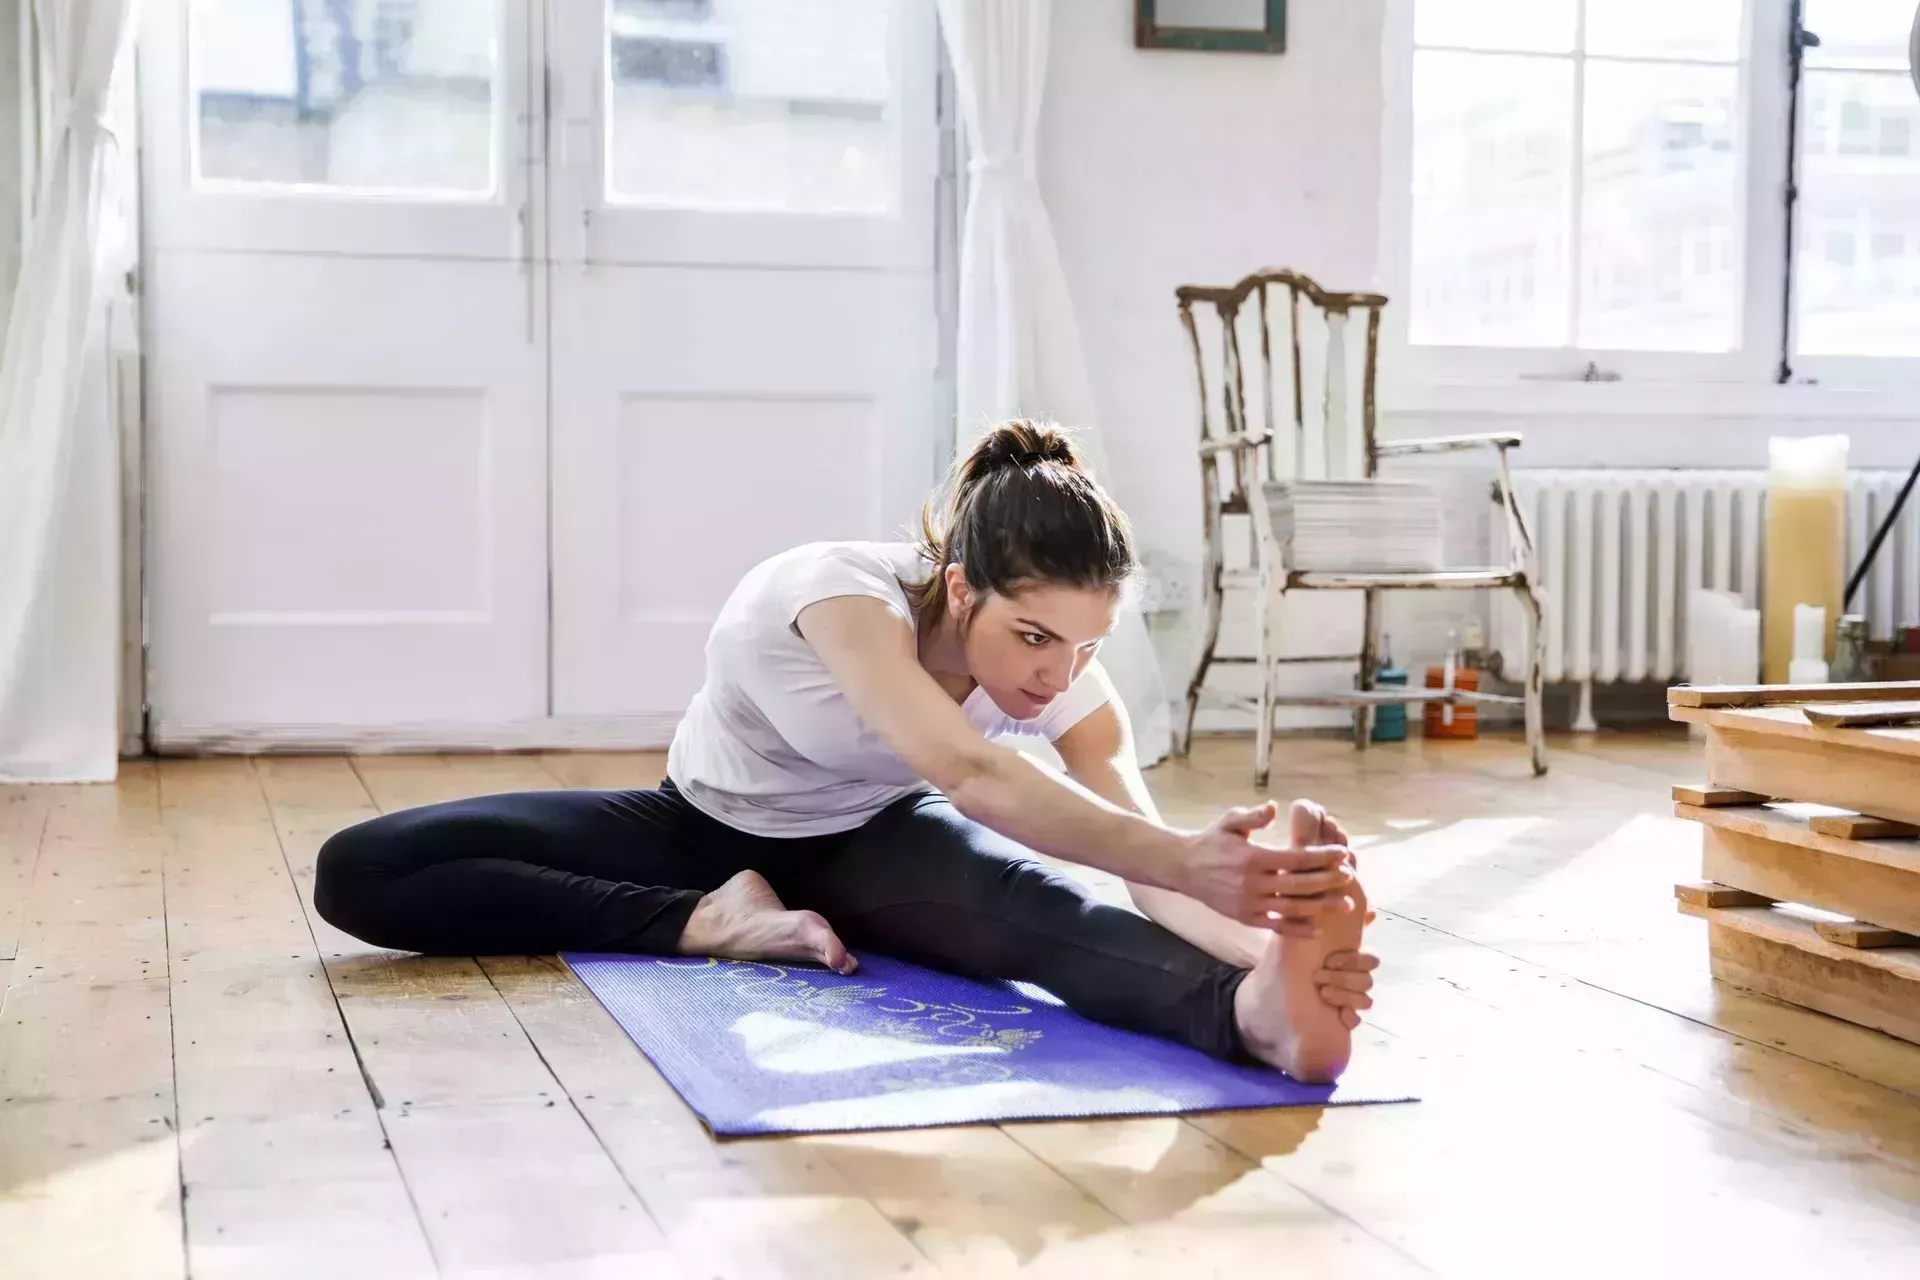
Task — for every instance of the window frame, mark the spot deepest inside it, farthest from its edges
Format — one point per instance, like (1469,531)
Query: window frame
(1421,375)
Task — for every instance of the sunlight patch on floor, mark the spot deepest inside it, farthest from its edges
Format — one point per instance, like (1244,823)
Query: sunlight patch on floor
(794,1046)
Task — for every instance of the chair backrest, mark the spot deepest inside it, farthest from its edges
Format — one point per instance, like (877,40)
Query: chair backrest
(1315,353)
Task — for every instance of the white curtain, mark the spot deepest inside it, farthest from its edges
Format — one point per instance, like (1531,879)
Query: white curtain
(59,460)
(1019,346)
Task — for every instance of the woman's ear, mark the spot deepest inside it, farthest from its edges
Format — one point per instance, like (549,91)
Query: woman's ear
(959,594)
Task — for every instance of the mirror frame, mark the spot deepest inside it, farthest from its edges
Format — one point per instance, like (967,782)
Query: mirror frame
(1272,38)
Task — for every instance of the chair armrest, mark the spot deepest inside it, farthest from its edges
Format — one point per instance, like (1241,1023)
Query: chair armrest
(1446,444)
(1227,444)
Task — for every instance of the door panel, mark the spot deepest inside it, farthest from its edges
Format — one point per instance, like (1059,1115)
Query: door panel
(743,326)
(349,517)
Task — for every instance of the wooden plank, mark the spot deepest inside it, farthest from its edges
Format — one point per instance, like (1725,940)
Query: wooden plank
(1196,1206)
(1707,894)
(284,1158)
(23,817)
(1858,826)
(521,1186)
(1709,796)
(1767,695)
(1841,715)
(1861,935)
(1800,824)
(508,1178)
(1787,722)
(1780,955)
(1837,772)
(89,1166)
(1786,872)
(742,1211)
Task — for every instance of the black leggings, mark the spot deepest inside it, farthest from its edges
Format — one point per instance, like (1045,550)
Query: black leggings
(532,873)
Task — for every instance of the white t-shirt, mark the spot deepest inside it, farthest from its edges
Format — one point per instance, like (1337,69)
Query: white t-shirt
(771,745)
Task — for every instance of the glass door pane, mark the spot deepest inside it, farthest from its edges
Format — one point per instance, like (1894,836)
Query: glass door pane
(375,97)
(342,126)
(751,104)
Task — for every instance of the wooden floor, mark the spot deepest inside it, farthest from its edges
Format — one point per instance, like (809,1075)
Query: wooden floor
(199,1077)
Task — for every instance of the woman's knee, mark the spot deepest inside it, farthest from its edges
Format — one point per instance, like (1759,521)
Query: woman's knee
(348,872)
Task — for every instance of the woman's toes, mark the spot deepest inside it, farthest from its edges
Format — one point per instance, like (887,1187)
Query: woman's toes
(824,944)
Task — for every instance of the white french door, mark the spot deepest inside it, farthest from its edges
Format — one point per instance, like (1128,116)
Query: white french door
(489,340)
(743,323)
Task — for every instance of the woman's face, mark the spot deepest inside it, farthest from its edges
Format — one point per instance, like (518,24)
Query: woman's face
(1024,649)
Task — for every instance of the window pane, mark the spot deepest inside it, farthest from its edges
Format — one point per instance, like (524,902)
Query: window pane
(1707,29)
(1492,154)
(393,97)
(1860,33)
(1857,264)
(1660,255)
(751,104)
(1536,26)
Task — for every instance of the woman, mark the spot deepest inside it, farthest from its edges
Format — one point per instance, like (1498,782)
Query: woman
(835,785)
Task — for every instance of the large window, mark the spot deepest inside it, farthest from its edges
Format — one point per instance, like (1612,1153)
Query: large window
(1597,188)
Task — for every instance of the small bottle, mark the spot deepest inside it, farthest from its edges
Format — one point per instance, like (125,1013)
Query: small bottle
(1389,718)
(1849,664)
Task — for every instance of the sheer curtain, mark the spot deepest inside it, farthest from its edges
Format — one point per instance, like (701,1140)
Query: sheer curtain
(1019,346)
(59,460)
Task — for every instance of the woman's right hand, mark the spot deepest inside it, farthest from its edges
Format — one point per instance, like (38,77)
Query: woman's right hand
(1285,890)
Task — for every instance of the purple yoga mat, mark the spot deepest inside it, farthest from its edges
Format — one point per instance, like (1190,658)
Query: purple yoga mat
(762,1049)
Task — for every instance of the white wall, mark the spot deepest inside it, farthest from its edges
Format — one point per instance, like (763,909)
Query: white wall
(1165,167)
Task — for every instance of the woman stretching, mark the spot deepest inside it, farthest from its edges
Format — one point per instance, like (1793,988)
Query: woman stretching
(835,785)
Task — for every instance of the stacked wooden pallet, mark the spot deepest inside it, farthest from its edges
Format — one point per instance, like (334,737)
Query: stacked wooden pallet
(1812,851)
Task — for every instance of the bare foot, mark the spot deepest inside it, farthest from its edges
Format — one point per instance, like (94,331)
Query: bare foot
(1282,1018)
(744,920)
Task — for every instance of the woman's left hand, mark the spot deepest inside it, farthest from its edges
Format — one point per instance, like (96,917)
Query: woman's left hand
(1345,980)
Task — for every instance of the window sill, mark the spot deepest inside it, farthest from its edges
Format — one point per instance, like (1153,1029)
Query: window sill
(1514,398)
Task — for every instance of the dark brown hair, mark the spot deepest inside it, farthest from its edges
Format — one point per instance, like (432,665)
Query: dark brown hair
(1019,508)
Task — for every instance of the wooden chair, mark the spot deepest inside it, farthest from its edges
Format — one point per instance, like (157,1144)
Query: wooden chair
(1243,458)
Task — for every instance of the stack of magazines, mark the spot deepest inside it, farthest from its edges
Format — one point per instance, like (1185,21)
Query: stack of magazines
(1356,526)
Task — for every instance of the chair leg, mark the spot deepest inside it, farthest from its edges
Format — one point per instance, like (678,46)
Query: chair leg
(1209,637)
(1530,598)
(1369,667)
(1263,727)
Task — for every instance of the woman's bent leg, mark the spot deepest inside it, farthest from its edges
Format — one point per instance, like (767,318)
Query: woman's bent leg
(522,874)
(926,884)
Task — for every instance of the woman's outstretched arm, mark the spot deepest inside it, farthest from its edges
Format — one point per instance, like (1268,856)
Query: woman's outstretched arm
(869,650)
(1099,755)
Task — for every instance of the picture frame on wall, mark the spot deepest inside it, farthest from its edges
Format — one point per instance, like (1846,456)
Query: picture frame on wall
(1223,26)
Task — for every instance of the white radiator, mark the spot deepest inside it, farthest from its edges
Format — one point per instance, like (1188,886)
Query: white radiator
(1620,552)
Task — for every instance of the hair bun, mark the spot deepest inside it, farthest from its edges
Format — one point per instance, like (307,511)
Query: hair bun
(1023,443)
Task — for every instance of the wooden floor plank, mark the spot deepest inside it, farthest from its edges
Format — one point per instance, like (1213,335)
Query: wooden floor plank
(264,1062)
(744,1211)
(89,1161)
(466,1101)
(23,818)
(1204,1206)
